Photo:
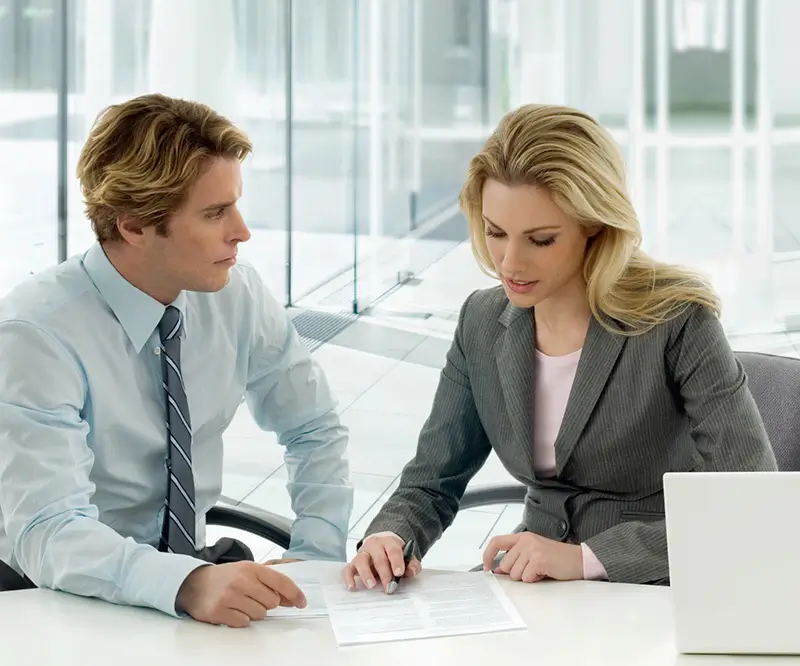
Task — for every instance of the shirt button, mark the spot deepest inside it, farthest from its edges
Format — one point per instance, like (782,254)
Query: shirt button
(157,351)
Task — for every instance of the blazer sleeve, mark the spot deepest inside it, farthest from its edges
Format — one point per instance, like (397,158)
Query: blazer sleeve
(452,447)
(726,429)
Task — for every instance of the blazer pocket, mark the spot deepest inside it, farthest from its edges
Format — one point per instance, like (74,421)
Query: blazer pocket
(644,516)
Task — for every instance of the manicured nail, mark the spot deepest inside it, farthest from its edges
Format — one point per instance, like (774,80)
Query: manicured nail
(398,571)
(370,583)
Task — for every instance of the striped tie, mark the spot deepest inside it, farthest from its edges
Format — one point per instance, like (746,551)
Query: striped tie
(178,535)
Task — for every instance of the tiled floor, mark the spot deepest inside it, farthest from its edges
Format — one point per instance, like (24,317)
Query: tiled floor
(384,369)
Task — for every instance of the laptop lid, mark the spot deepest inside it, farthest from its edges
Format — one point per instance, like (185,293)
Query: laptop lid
(734,559)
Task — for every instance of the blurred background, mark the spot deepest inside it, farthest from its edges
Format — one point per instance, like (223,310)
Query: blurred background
(364,114)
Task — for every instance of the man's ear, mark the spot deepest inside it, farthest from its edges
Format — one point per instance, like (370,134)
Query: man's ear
(130,229)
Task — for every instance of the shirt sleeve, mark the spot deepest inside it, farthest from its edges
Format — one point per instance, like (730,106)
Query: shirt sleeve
(287,392)
(46,493)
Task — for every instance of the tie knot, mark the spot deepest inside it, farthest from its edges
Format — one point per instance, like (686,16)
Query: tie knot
(170,324)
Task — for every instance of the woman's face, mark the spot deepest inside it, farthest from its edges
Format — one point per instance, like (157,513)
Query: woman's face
(536,249)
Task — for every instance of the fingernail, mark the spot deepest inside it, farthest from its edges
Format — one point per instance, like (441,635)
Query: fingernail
(351,587)
(370,583)
(398,571)
(302,603)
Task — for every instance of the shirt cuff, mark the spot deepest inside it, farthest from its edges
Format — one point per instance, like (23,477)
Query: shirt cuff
(593,569)
(315,538)
(156,579)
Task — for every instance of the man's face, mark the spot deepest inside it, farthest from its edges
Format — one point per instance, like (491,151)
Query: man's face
(203,236)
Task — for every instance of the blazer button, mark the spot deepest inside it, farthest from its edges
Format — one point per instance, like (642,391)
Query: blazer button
(562,527)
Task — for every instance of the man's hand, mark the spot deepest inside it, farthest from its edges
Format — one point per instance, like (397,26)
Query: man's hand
(285,560)
(236,593)
(380,559)
(530,558)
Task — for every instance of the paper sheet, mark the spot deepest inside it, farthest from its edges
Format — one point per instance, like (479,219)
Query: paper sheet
(310,577)
(315,606)
(424,607)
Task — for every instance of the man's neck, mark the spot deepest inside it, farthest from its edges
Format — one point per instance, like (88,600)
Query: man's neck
(145,280)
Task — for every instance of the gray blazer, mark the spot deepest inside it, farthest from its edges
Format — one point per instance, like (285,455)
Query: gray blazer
(673,399)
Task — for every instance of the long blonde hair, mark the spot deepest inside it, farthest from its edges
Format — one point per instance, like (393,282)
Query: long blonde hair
(572,157)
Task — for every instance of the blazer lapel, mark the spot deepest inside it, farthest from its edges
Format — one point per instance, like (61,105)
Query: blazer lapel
(514,355)
(600,353)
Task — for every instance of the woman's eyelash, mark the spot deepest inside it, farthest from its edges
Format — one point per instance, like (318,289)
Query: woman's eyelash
(537,243)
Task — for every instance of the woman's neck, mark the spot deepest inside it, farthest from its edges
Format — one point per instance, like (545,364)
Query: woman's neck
(562,320)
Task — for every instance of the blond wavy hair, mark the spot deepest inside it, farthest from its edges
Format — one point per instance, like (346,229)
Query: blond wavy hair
(142,157)
(574,159)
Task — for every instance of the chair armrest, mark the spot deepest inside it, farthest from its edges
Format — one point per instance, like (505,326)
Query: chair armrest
(512,493)
(267,525)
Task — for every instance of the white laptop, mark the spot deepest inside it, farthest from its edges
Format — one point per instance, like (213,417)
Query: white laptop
(734,561)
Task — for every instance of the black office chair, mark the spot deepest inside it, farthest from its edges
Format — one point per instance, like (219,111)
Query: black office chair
(775,384)
(265,524)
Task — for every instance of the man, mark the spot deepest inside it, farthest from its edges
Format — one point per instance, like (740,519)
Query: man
(120,370)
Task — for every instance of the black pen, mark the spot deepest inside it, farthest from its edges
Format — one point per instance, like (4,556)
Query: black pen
(408,553)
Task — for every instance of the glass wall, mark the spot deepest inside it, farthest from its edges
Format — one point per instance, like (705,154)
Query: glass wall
(708,118)
(364,116)
(28,133)
(354,109)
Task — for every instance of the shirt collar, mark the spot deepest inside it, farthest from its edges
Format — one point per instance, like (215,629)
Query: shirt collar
(137,313)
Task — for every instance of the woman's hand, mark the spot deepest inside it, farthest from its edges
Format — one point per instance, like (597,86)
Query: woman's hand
(530,558)
(379,559)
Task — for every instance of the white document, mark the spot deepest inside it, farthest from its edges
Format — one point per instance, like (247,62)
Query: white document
(315,602)
(428,606)
(310,576)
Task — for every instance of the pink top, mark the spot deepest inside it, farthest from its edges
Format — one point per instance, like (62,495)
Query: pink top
(554,376)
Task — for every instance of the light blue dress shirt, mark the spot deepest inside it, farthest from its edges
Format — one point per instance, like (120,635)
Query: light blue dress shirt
(83,432)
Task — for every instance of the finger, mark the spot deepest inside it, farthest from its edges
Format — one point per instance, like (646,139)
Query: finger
(349,576)
(363,565)
(413,569)
(250,607)
(394,553)
(532,572)
(282,585)
(381,566)
(233,618)
(265,596)
(278,562)
(507,562)
(497,545)
(515,573)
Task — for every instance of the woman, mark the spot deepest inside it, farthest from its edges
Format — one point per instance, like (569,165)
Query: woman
(591,371)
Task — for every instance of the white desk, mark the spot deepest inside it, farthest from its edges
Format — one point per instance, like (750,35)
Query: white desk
(585,623)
